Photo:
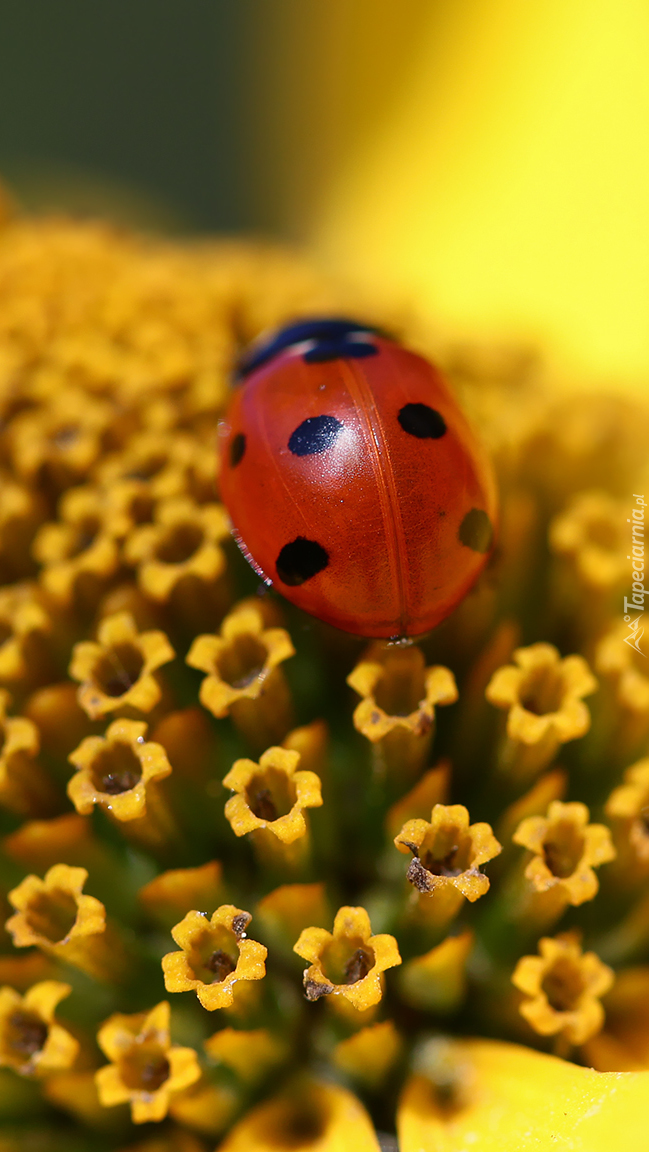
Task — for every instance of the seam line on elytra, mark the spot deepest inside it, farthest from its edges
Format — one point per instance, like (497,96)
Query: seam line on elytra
(385,482)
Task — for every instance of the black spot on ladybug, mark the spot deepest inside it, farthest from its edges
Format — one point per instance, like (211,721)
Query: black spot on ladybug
(237,449)
(300,560)
(421,421)
(476,531)
(314,435)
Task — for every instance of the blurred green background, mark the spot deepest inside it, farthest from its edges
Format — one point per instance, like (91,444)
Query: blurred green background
(196,114)
(134,103)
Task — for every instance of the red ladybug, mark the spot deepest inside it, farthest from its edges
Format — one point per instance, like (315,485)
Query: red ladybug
(353,480)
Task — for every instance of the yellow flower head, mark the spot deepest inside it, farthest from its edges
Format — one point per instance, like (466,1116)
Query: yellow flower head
(148,460)
(19,743)
(21,510)
(195,469)
(116,356)
(239,661)
(288,909)
(60,441)
(272,794)
(369,1055)
(31,1041)
(251,1054)
(174,893)
(126,505)
(25,969)
(78,552)
(591,533)
(398,692)
(184,541)
(436,981)
(565,849)
(573,446)
(307,1115)
(145,1068)
(543,695)
(349,962)
(163,461)
(563,986)
(215,955)
(23,620)
(629,804)
(626,666)
(54,911)
(510,1096)
(623,1043)
(117,670)
(114,770)
(39,842)
(448,851)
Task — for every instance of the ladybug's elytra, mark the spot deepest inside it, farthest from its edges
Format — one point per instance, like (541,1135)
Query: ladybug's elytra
(353,480)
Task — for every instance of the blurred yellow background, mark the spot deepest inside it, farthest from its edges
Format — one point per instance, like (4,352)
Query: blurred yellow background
(484,162)
(506,190)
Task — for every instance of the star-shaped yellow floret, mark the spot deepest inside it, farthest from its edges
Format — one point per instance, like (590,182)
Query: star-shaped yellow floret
(625,664)
(349,962)
(562,987)
(146,1069)
(114,770)
(240,661)
(185,541)
(117,671)
(590,531)
(54,910)
(398,692)
(566,849)
(448,851)
(215,956)
(271,795)
(31,1041)
(543,695)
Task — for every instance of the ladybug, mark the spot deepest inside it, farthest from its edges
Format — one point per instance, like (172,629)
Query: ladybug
(353,480)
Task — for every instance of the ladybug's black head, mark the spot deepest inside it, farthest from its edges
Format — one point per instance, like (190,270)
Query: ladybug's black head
(320,338)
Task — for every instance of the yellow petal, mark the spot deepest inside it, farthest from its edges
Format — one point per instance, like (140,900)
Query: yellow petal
(370,1053)
(436,981)
(290,909)
(204,1107)
(518,1100)
(44,997)
(213,996)
(337,1119)
(249,1053)
(352,922)
(177,973)
(59,1051)
(110,1087)
(184,1068)
(311,943)
(172,894)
